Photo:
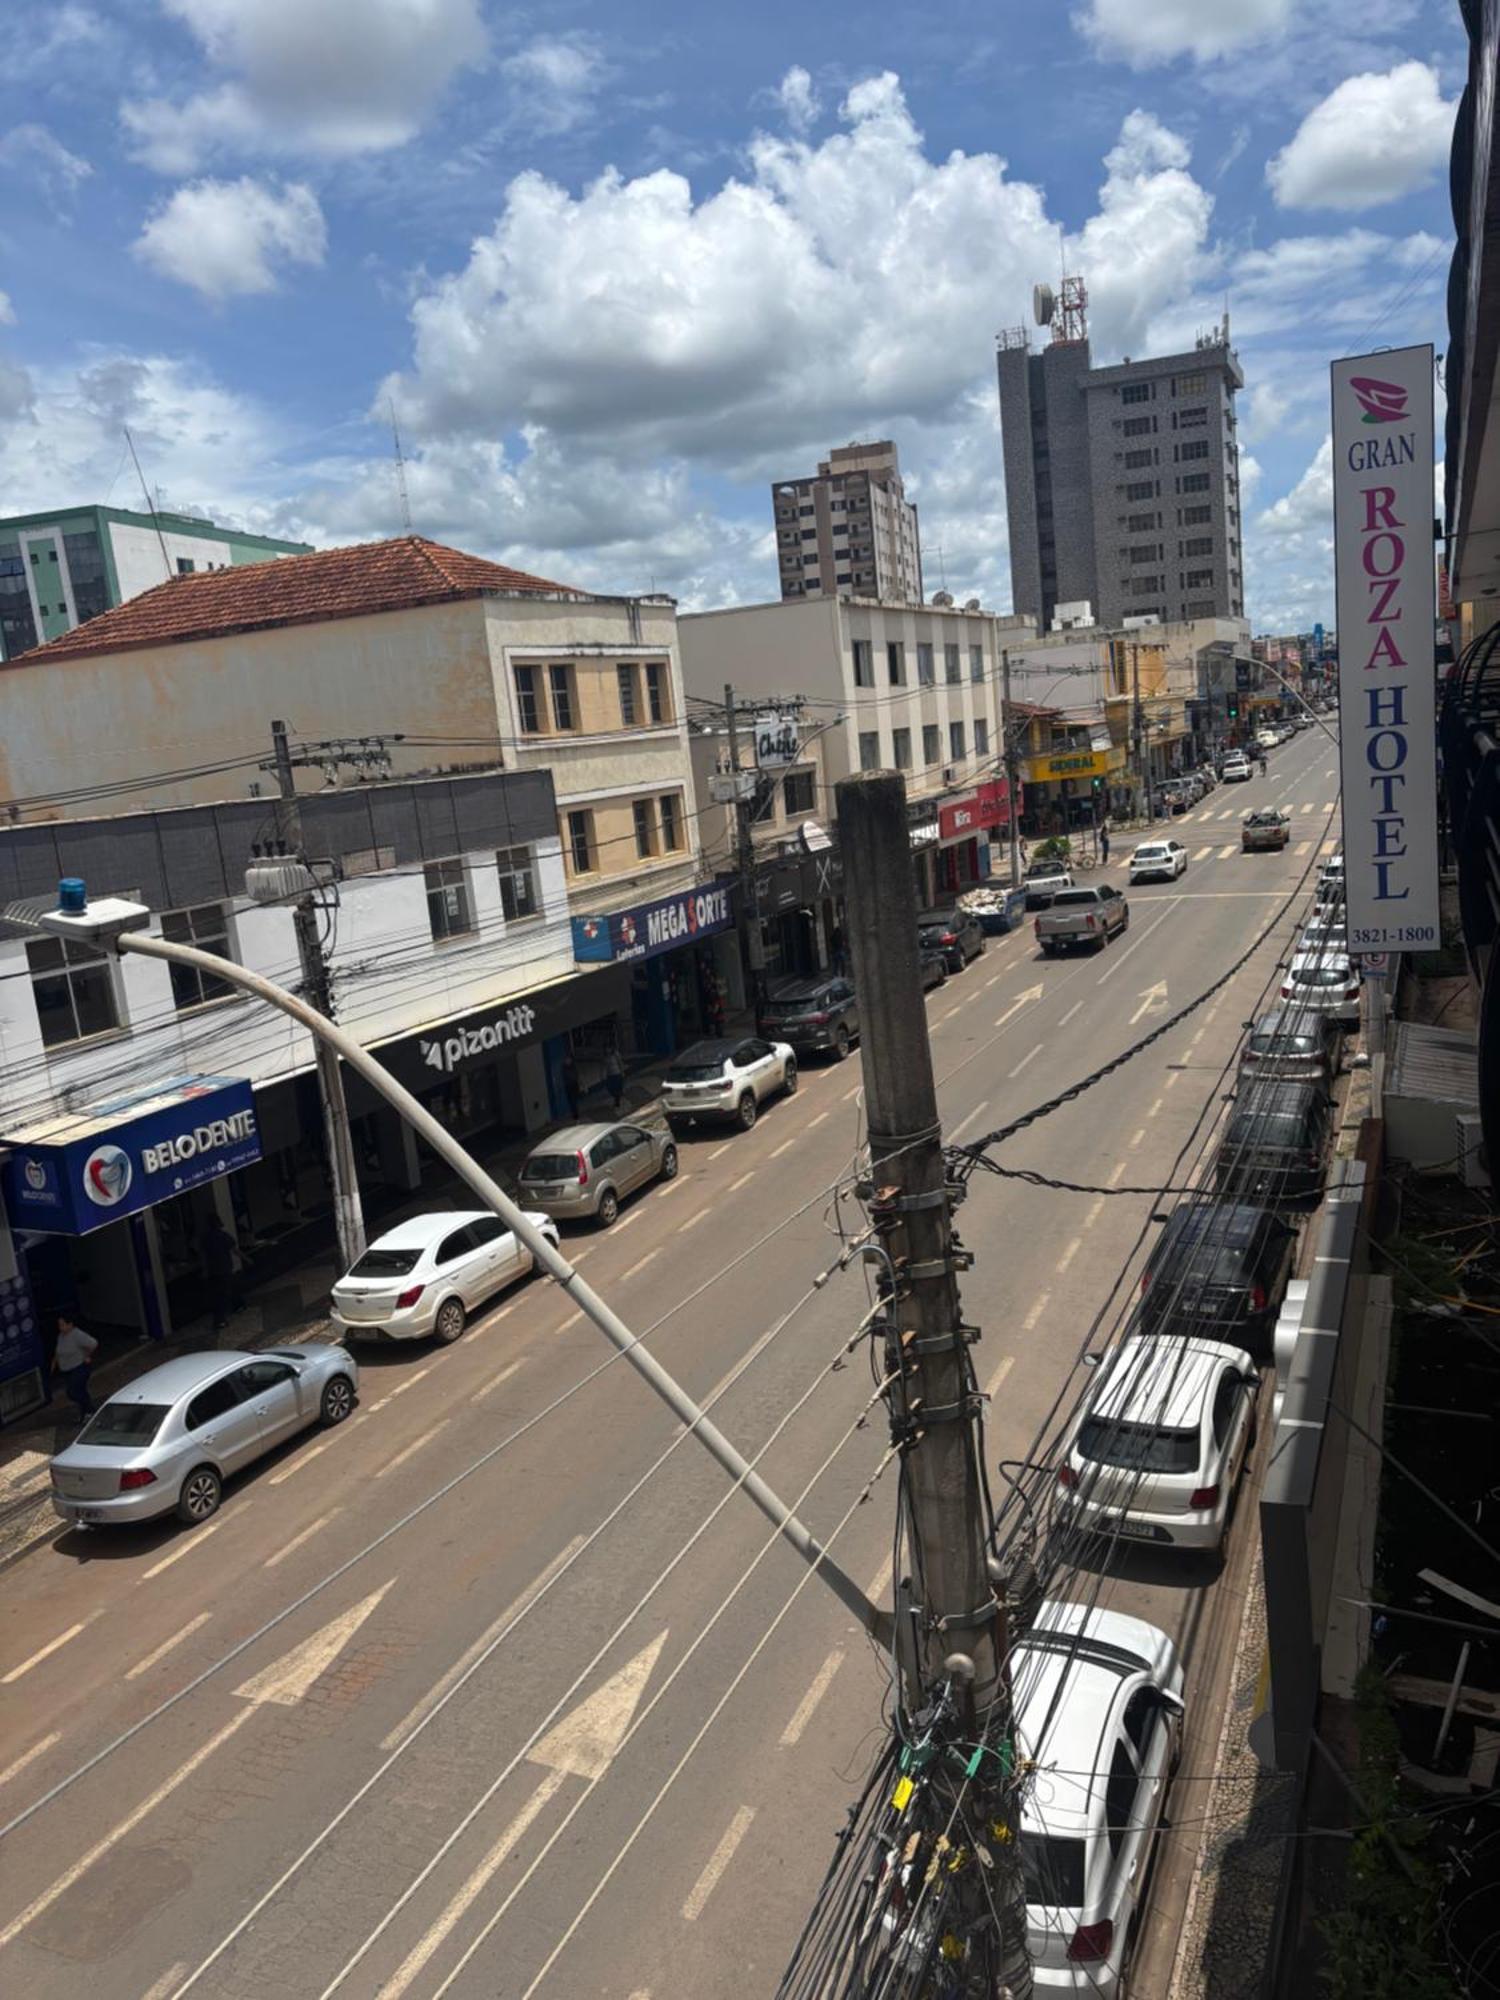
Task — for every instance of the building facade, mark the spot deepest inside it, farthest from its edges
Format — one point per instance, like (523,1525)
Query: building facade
(59,569)
(850,529)
(1122,483)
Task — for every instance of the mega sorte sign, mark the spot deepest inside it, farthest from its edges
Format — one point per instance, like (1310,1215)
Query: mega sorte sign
(1382,527)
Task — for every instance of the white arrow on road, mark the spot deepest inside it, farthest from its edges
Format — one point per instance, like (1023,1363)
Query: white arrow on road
(1021,1000)
(1153,1001)
(288,1679)
(582,1746)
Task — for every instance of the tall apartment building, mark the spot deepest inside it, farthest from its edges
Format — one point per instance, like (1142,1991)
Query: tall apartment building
(1122,484)
(850,531)
(59,569)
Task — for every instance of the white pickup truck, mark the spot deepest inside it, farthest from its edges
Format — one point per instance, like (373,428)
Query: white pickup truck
(1089,916)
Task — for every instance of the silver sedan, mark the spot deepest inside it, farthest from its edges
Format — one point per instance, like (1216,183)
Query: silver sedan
(171,1438)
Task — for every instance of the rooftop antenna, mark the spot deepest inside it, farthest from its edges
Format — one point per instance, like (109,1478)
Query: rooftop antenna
(937,550)
(400,468)
(150,503)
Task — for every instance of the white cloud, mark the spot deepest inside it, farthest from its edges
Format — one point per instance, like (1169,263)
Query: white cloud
(37,155)
(1154,31)
(1372,139)
(1289,582)
(7,310)
(1148,235)
(319,76)
(798,100)
(554,81)
(228,237)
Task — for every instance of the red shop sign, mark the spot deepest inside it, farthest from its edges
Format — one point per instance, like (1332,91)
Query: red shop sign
(987,806)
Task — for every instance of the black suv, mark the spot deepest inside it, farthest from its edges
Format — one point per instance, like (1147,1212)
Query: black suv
(814,1015)
(1217,1273)
(1274,1144)
(952,931)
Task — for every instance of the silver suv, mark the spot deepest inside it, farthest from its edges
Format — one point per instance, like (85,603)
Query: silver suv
(585,1171)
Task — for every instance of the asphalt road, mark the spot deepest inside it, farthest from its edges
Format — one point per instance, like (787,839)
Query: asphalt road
(499,1689)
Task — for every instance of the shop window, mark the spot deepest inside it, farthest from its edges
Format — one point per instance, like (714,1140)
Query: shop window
(449,911)
(658,706)
(956,742)
(952,666)
(901,748)
(645,828)
(800,789)
(630,704)
(932,743)
(518,896)
(581,842)
(671,821)
(74,991)
(205,925)
(528,701)
(564,709)
(869,749)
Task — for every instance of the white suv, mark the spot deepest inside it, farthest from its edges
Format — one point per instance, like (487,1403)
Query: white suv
(427,1275)
(1158,860)
(729,1078)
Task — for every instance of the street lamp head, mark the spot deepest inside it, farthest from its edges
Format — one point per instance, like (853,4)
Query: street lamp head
(74,916)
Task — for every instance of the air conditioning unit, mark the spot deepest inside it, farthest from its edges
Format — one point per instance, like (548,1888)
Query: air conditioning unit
(950,774)
(1469,1148)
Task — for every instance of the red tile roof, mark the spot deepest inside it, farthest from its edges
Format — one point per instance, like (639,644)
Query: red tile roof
(295,590)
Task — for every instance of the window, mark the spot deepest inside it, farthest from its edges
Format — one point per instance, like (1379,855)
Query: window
(581,842)
(1194,448)
(518,897)
(1141,489)
(87,575)
(869,749)
(1139,523)
(895,663)
(1119,1797)
(1144,552)
(981,736)
(932,743)
(657,704)
(645,828)
(671,821)
(1194,517)
(630,713)
(901,748)
(1136,427)
(976,663)
(448,910)
(217,1400)
(73,989)
(926,672)
(528,701)
(560,683)
(1196,545)
(1198,579)
(1193,482)
(800,791)
(1142,1713)
(1137,392)
(952,672)
(809,534)
(1201,607)
(1226,1402)
(206,925)
(956,748)
(185,564)
(1134,460)
(864,664)
(1144,586)
(1192,420)
(1191,385)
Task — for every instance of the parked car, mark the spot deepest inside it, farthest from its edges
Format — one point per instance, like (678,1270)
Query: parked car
(1158,861)
(1217,1273)
(1208,777)
(953,932)
(1267,739)
(1173,796)
(817,1016)
(1291,1042)
(429,1273)
(1082,917)
(168,1440)
(1099,1714)
(1262,831)
(1325,930)
(1276,1140)
(998,910)
(1325,983)
(1236,768)
(584,1172)
(933,966)
(1161,1442)
(1043,880)
(727,1078)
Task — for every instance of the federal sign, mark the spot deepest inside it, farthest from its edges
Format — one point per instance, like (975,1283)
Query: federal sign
(68,1181)
(1384,568)
(652,927)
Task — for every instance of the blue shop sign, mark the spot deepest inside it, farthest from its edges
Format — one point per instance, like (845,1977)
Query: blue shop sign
(77,1174)
(653,927)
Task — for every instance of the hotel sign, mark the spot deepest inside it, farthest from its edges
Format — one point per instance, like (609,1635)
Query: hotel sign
(1384,568)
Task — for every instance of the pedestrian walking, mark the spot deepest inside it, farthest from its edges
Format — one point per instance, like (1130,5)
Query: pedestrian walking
(1261,760)
(1104,845)
(570,1083)
(836,950)
(73,1361)
(614,1077)
(220,1257)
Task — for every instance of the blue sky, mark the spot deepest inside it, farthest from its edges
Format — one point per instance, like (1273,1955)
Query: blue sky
(616,268)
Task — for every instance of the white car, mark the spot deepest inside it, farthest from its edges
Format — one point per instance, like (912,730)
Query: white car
(1162,1441)
(1158,861)
(1324,931)
(1099,1713)
(1236,768)
(1326,983)
(427,1275)
(727,1078)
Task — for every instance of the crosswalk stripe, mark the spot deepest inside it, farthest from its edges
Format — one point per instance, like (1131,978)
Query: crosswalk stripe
(1303,847)
(1308,807)
(1227,815)
(1225,852)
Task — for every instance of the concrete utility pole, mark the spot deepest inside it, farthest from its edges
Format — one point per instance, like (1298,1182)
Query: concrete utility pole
(348,1215)
(752,954)
(1142,747)
(1012,768)
(956,1628)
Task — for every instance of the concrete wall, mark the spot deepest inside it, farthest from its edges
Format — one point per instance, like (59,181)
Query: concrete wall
(138,557)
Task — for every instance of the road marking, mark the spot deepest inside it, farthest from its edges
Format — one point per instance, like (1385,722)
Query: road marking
(154,1659)
(1021,1000)
(698,1215)
(721,1149)
(1038,1308)
(439,1689)
(1228,815)
(167,1983)
(494,1382)
(735,1186)
(30,1756)
(1007,1362)
(1137,1138)
(1302,847)
(1070,1013)
(297,1540)
(1308,808)
(995,977)
(777,1151)
(974,1116)
(192,1539)
(819,1119)
(1155,1107)
(641,1262)
(1171,1079)
(42,1903)
(1070,1253)
(1096,1209)
(627,1221)
(666,1187)
(288,1679)
(571,1320)
(415,1446)
(1153,1001)
(52,1646)
(853,1091)
(791,1736)
(1026,1059)
(1226,852)
(1116,1174)
(718,1861)
(403,1385)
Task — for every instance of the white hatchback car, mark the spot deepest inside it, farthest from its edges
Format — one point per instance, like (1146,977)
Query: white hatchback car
(1099,1714)
(1324,982)
(427,1275)
(1158,861)
(1162,1441)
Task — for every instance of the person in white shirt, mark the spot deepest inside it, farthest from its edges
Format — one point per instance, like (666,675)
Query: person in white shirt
(73,1360)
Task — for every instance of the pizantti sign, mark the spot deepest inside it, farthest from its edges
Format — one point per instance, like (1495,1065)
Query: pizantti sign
(448,1052)
(652,927)
(1382,526)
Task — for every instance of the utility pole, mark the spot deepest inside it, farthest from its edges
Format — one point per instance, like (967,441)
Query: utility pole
(1012,767)
(1142,747)
(348,1215)
(752,953)
(951,1629)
